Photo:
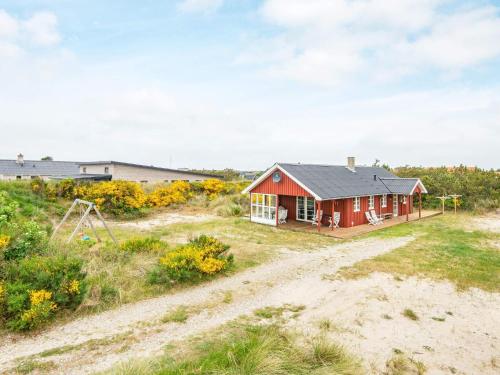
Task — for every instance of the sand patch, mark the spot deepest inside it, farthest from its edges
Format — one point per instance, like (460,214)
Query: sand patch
(490,223)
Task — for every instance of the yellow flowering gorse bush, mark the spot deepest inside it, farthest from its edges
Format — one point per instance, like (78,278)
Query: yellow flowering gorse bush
(175,193)
(4,241)
(41,308)
(73,287)
(200,257)
(38,296)
(113,196)
(2,292)
(212,188)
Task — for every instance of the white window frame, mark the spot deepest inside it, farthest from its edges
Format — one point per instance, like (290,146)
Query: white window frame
(371,202)
(356,203)
(384,200)
(260,212)
(404,199)
(306,200)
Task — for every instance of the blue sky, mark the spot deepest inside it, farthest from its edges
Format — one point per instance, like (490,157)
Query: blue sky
(226,83)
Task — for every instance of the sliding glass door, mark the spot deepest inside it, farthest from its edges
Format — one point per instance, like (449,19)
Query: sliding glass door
(306,209)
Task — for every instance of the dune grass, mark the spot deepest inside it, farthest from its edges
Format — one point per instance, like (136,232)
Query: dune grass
(252,350)
(445,248)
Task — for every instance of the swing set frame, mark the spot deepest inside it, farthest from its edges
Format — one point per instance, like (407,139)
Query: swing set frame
(85,217)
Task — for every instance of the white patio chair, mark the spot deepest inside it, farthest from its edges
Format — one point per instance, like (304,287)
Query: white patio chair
(334,222)
(315,220)
(370,219)
(376,218)
(282,215)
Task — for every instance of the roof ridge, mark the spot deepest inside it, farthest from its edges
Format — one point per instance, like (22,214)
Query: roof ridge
(329,165)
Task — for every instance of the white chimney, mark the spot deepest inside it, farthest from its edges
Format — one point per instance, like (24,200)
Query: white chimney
(351,163)
(20,159)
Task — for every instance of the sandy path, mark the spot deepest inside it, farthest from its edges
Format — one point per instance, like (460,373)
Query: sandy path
(270,284)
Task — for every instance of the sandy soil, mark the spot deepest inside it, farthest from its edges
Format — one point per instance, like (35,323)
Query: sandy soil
(371,324)
(490,223)
(467,340)
(165,218)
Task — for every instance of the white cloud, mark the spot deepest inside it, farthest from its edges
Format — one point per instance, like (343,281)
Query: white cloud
(202,6)
(8,25)
(42,29)
(17,36)
(333,40)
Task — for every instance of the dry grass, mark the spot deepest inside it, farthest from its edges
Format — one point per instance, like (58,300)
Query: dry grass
(400,364)
(410,314)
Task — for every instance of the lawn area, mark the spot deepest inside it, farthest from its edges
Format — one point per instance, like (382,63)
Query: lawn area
(446,247)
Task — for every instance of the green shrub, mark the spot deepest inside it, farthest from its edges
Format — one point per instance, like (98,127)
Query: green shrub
(145,244)
(37,287)
(480,189)
(8,208)
(201,257)
(31,240)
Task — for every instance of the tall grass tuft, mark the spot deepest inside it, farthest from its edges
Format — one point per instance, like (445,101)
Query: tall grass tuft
(254,350)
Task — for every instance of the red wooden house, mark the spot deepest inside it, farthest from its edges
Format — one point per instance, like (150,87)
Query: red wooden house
(310,192)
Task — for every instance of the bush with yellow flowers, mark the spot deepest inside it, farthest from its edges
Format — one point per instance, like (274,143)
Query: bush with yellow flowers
(175,193)
(34,289)
(116,197)
(201,257)
(213,187)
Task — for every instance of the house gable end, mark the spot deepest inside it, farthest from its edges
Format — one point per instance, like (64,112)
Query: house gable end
(286,186)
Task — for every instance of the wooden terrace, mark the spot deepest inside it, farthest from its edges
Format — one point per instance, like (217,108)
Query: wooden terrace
(356,230)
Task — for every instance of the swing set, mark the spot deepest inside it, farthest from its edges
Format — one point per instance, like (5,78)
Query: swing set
(84,219)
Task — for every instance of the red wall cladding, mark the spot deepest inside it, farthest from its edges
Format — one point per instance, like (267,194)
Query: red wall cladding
(285,187)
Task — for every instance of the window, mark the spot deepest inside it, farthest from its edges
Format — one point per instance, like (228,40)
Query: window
(404,199)
(356,201)
(263,208)
(371,202)
(144,181)
(106,169)
(384,200)
(18,177)
(306,209)
(84,169)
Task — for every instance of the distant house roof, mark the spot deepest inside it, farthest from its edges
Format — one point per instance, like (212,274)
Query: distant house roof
(148,167)
(326,182)
(85,177)
(38,168)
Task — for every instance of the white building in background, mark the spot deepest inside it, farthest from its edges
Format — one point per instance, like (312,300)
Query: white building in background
(21,169)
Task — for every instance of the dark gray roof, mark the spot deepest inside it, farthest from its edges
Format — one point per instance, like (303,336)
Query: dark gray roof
(39,168)
(85,177)
(400,185)
(337,181)
(148,166)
